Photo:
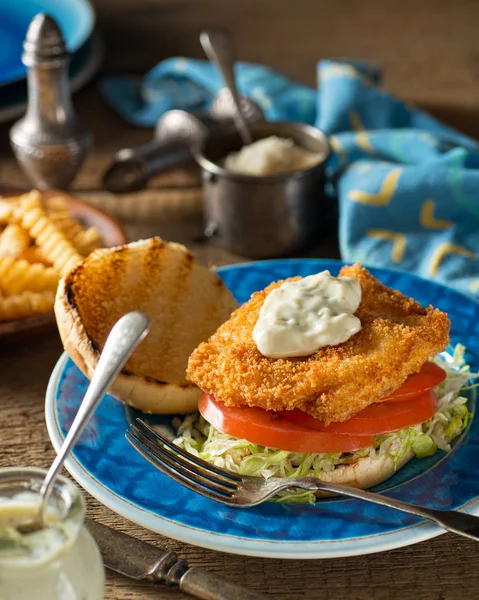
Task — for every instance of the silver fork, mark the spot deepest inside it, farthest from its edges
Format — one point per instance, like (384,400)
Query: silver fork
(244,490)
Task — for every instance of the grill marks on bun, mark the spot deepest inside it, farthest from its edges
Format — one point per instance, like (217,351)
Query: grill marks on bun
(185,301)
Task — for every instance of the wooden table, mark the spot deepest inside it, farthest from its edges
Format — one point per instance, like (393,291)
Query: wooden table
(431,54)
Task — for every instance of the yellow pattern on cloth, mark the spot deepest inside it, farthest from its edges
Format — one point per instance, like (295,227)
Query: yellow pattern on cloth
(342,70)
(385,194)
(338,148)
(398,240)
(362,138)
(443,250)
(428,220)
(339,70)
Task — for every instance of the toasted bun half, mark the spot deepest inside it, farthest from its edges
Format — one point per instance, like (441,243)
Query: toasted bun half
(185,301)
(364,473)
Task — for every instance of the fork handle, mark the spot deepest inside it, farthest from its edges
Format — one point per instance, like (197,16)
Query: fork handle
(451,520)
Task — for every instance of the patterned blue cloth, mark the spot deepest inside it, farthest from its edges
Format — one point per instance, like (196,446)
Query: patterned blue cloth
(407,185)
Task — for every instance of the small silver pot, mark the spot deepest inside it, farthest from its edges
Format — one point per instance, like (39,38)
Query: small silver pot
(262,216)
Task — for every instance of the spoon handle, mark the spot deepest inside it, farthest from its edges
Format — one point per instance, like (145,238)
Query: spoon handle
(218,47)
(126,334)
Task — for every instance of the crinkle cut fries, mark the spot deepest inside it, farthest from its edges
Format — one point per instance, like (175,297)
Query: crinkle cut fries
(39,243)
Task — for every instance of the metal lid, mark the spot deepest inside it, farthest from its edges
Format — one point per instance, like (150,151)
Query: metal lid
(44,41)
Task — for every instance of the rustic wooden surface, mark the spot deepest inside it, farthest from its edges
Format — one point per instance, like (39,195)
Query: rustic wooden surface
(430,51)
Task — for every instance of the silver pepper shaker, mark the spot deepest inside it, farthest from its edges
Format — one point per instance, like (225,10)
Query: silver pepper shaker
(50,142)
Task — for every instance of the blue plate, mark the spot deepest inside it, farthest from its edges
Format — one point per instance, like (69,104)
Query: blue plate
(75,18)
(112,471)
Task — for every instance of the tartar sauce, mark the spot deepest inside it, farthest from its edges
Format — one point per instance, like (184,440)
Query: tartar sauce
(302,316)
(39,546)
(58,562)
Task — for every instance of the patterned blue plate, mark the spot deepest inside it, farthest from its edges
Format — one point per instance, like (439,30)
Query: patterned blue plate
(112,471)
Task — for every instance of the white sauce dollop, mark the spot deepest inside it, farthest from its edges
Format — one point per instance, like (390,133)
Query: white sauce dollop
(302,316)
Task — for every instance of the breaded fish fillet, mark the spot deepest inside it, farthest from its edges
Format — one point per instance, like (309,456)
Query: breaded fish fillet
(397,336)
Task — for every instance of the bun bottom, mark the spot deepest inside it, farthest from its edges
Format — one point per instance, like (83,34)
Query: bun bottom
(363,473)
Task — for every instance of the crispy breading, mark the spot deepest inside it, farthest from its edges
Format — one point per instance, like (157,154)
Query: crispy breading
(397,336)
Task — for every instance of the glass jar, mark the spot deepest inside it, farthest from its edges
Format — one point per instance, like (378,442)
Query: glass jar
(60,562)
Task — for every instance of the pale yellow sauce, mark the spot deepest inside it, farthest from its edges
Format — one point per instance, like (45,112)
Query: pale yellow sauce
(39,546)
(300,317)
(54,563)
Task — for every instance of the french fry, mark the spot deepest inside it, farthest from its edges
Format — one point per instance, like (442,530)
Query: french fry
(6,211)
(34,255)
(25,304)
(59,216)
(53,244)
(39,243)
(87,240)
(57,204)
(13,241)
(84,240)
(17,276)
(69,226)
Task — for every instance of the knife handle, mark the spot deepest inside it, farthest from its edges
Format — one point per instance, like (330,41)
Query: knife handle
(206,585)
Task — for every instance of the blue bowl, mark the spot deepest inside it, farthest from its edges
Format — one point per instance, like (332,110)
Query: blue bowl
(75,18)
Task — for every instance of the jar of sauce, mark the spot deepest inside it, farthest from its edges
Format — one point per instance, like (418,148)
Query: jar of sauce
(60,561)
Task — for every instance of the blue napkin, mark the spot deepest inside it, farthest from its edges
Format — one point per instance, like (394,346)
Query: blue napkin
(407,185)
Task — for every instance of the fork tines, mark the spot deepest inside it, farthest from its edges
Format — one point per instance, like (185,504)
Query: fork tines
(185,468)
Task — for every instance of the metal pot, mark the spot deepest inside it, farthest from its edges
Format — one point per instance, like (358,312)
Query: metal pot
(262,216)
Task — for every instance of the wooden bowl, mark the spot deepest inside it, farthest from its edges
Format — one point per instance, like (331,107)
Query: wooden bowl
(110,230)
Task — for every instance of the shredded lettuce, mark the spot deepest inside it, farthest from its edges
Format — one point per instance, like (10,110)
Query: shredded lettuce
(198,437)
(423,446)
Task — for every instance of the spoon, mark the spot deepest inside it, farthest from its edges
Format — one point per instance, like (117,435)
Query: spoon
(124,337)
(218,47)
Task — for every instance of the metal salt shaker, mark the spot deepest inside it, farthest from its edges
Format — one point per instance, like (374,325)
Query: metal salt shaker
(50,142)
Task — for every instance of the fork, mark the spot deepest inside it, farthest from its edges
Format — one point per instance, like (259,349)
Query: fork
(245,490)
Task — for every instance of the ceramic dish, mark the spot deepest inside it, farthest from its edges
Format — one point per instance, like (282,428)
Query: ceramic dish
(111,232)
(112,471)
(84,64)
(75,18)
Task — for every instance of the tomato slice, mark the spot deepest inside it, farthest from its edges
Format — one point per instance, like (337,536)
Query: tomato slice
(382,417)
(272,429)
(428,377)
